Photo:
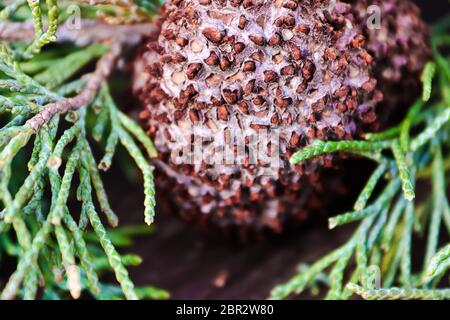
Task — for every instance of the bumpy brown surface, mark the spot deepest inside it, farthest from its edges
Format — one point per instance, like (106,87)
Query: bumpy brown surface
(299,67)
(400,46)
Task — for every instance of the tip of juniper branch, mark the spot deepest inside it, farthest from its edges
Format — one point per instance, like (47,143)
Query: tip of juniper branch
(352,287)
(113,220)
(153,154)
(149,220)
(103,166)
(7,219)
(410,197)
(73,281)
(332,223)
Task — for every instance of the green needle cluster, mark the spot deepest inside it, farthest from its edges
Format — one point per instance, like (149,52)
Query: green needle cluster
(62,252)
(376,262)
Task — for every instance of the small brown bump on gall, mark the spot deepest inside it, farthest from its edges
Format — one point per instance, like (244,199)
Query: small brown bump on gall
(296,53)
(341,107)
(236,3)
(225,63)
(249,66)
(243,106)
(369,117)
(330,54)
(230,96)
(341,92)
(212,59)
(358,41)
(301,88)
(200,105)
(229,39)
(289,21)
(189,91)
(182,42)
(248,3)
(257,101)
(279,22)
(370,85)
(256,39)
(242,22)
(282,102)
(258,56)
(194,115)
(213,34)
(222,113)
(295,138)
(156,70)
(217,101)
(248,88)
(212,80)
(168,34)
(277,58)
(351,103)
(192,70)
(302,29)
(275,40)
(181,103)
(288,70)
(178,114)
(308,70)
(270,76)
(177,58)
(261,21)
(238,47)
(257,126)
(275,120)
(157,94)
(278,92)
(290,5)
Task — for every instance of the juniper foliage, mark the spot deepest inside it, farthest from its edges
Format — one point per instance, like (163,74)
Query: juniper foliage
(376,262)
(48,104)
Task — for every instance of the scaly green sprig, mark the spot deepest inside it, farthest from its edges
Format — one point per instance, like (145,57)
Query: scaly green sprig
(42,37)
(368,189)
(325,147)
(11,8)
(47,120)
(382,266)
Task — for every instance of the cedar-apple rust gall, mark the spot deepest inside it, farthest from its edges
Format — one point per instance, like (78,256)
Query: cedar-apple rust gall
(313,70)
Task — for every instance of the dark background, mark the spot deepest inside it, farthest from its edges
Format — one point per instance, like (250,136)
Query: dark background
(434,9)
(187,262)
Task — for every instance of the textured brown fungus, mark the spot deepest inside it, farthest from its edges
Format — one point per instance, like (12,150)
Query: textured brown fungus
(305,69)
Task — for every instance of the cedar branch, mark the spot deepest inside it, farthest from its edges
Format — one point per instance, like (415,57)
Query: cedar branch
(85,97)
(89,31)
